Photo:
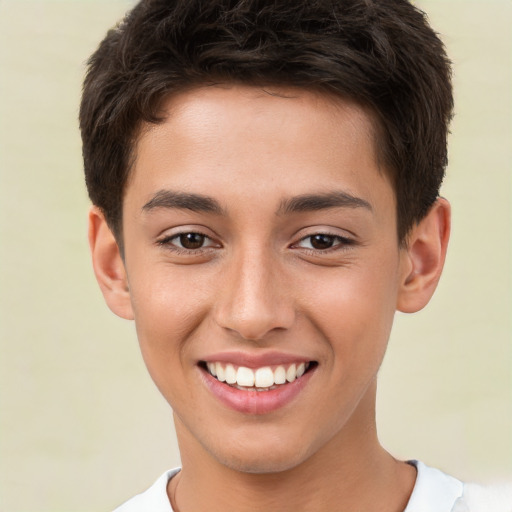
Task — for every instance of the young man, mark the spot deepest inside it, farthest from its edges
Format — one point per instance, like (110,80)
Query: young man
(265,180)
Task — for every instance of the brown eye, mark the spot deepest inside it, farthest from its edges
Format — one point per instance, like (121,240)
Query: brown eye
(322,241)
(188,242)
(191,240)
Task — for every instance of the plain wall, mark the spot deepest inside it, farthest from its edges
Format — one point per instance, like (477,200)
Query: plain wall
(81,425)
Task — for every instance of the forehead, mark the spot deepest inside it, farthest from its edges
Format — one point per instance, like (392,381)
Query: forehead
(271,137)
(202,111)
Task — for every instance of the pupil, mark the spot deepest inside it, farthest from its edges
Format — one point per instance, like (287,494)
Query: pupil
(192,240)
(322,241)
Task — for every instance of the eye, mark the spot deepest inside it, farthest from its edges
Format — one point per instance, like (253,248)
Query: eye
(189,241)
(323,242)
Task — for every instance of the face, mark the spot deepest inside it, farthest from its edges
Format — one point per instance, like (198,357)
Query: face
(263,269)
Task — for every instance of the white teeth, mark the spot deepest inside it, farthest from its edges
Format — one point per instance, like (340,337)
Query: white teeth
(279,375)
(221,373)
(245,377)
(212,369)
(230,374)
(264,377)
(291,373)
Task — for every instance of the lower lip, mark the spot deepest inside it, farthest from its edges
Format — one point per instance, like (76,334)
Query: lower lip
(256,402)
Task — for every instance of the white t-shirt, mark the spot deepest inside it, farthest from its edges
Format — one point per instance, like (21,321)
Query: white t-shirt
(433,491)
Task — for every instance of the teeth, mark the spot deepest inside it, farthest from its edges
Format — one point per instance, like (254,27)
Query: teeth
(279,375)
(245,377)
(262,379)
(221,373)
(291,373)
(230,374)
(212,369)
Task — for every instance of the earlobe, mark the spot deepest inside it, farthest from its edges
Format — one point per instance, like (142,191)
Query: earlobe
(108,265)
(423,258)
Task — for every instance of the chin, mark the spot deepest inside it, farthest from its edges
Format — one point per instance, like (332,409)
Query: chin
(261,460)
(260,467)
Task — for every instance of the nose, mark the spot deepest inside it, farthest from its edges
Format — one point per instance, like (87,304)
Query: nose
(255,299)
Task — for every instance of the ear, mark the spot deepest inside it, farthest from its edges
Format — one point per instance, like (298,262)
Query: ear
(423,258)
(108,265)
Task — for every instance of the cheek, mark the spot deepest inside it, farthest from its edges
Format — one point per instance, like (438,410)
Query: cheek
(354,309)
(168,307)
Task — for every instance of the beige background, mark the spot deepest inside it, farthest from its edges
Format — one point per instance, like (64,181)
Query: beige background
(82,427)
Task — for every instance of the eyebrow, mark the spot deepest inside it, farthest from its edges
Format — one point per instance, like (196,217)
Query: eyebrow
(303,203)
(323,201)
(185,201)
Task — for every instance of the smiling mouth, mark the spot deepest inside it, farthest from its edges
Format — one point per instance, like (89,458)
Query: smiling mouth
(265,378)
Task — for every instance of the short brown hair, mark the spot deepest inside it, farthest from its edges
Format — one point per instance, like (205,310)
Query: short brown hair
(380,54)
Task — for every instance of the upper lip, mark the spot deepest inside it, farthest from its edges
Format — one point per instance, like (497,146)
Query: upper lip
(254,360)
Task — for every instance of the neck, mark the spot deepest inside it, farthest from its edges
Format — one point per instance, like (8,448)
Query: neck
(351,472)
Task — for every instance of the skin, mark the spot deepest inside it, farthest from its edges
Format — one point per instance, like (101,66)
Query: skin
(259,284)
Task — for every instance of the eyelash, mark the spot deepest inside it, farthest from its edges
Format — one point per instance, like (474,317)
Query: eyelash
(168,243)
(339,243)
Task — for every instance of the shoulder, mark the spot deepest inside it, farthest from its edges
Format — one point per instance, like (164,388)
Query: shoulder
(434,491)
(490,498)
(154,499)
